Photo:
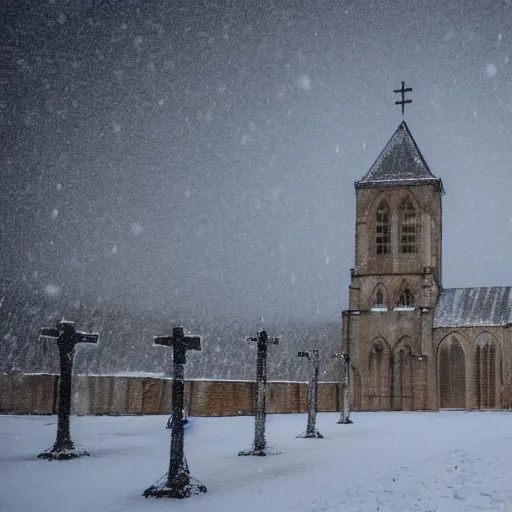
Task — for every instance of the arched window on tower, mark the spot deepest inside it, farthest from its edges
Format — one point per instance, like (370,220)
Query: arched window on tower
(408,227)
(383,229)
(379,301)
(405,300)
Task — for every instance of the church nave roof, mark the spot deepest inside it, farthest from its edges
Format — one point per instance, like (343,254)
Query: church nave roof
(466,307)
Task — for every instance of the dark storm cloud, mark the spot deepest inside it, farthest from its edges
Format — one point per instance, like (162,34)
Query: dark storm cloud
(201,156)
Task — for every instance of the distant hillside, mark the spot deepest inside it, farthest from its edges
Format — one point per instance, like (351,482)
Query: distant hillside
(126,340)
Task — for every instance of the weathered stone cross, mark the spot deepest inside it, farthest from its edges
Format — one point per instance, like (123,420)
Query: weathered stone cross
(313,358)
(260,444)
(345,389)
(67,337)
(177,483)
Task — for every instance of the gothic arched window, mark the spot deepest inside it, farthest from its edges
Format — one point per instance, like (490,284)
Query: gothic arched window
(405,299)
(383,229)
(379,301)
(408,227)
(485,377)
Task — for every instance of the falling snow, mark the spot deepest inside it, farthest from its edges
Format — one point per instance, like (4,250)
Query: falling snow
(304,82)
(491,69)
(137,229)
(213,152)
(52,290)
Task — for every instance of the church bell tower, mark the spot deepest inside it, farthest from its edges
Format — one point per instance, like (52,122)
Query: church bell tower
(396,279)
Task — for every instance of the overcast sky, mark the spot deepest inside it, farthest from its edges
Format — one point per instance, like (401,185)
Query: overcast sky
(201,155)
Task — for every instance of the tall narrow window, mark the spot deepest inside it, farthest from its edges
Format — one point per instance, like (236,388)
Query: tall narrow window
(408,227)
(378,300)
(383,230)
(405,299)
(485,375)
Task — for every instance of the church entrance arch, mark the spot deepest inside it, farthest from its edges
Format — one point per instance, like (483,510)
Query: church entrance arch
(451,374)
(402,377)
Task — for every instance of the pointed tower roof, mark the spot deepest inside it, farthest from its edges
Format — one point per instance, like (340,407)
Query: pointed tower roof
(400,164)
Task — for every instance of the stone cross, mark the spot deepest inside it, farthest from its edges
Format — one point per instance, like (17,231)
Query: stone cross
(345,388)
(260,444)
(67,337)
(313,358)
(177,483)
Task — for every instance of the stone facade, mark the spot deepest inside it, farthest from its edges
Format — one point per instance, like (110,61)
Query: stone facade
(413,345)
(474,367)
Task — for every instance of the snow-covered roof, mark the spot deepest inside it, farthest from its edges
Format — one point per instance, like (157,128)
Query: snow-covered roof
(458,307)
(400,164)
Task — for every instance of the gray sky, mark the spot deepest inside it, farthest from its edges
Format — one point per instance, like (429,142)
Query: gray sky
(191,156)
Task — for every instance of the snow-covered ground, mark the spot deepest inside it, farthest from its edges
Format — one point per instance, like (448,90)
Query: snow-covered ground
(447,461)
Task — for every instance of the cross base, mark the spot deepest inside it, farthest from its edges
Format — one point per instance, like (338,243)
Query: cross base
(344,422)
(183,486)
(310,435)
(64,452)
(260,452)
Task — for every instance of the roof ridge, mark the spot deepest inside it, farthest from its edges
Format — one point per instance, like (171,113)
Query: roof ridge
(420,154)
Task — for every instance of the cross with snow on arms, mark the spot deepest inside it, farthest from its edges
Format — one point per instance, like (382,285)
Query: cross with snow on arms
(67,338)
(177,483)
(344,395)
(260,444)
(313,358)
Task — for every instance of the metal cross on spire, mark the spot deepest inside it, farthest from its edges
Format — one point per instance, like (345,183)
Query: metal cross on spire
(403,101)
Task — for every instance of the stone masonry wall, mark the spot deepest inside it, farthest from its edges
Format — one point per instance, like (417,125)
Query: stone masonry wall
(96,395)
(28,394)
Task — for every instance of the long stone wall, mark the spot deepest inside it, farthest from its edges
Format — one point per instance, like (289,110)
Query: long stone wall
(28,394)
(115,395)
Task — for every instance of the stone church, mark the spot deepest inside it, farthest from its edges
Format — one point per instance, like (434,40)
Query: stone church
(412,344)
